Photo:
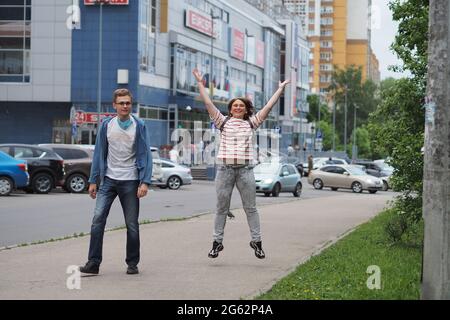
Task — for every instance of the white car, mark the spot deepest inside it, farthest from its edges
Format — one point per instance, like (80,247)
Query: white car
(157,173)
(173,175)
(320,162)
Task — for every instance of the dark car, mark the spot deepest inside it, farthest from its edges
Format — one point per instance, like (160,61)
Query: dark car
(45,167)
(13,174)
(376,170)
(77,165)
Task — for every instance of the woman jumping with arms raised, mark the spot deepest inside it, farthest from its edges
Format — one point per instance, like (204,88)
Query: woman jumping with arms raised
(235,157)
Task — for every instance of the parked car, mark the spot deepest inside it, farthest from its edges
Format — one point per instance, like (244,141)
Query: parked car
(322,161)
(13,174)
(376,170)
(77,165)
(157,173)
(344,176)
(173,175)
(273,178)
(297,164)
(45,167)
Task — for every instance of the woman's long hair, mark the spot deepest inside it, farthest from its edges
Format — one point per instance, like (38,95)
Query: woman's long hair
(248,107)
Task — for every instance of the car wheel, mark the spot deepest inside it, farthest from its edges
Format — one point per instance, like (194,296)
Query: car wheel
(298,190)
(267,194)
(334,189)
(357,187)
(276,190)
(6,186)
(373,191)
(385,186)
(76,183)
(174,182)
(318,184)
(42,183)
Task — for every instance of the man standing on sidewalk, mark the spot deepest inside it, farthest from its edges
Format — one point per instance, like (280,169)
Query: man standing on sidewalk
(122,166)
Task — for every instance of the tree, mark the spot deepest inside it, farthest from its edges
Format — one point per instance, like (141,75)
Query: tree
(363,143)
(347,85)
(327,135)
(411,41)
(314,102)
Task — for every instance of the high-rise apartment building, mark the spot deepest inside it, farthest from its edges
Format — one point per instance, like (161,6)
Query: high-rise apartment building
(339,35)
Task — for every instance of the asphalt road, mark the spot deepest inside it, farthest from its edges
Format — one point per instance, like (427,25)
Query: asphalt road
(26,218)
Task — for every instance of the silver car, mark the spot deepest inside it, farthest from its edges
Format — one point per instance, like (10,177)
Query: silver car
(344,176)
(173,175)
(273,177)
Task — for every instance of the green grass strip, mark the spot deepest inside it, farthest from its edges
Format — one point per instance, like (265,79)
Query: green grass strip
(340,271)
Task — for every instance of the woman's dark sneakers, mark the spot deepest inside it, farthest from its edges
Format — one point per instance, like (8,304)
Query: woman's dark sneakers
(257,246)
(217,247)
(90,268)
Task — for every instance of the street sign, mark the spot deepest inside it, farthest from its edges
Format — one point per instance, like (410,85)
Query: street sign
(319,134)
(91,117)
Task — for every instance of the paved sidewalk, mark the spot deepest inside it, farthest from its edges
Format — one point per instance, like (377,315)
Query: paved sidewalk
(174,262)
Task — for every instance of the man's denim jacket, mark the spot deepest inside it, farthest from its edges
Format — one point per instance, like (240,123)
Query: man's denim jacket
(143,153)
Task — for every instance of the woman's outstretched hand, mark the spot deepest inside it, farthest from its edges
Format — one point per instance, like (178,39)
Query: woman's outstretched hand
(198,76)
(283,84)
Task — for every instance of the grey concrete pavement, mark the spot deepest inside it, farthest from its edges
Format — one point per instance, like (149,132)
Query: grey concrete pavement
(174,262)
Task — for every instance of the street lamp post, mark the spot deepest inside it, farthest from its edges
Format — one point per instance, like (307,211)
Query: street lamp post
(213,17)
(345,120)
(334,125)
(354,134)
(247,35)
(100,58)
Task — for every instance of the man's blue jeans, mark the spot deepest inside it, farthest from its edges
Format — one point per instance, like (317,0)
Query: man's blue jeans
(108,191)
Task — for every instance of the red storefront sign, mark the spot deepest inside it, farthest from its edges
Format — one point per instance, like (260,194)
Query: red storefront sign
(91,117)
(112,2)
(260,53)
(199,22)
(237,44)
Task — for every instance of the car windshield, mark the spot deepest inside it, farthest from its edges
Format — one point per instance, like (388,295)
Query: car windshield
(385,167)
(356,171)
(266,168)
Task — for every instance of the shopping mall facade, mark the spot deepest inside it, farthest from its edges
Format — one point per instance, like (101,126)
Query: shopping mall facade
(50,64)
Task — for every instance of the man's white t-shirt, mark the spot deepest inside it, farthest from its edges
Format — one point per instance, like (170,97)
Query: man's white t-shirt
(121,151)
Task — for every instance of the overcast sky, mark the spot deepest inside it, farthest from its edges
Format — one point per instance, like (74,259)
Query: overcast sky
(383,34)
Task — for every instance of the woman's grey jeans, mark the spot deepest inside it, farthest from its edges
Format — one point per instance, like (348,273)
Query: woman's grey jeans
(244,179)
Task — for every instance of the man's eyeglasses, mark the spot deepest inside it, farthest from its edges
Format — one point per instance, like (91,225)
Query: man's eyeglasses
(124,103)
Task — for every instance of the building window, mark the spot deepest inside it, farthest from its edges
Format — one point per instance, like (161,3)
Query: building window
(15,43)
(186,59)
(326,67)
(326,21)
(326,9)
(325,56)
(326,44)
(154,113)
(326,32)
(147,35)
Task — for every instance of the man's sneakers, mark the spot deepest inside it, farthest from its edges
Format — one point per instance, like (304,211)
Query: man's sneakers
(217,247)
(90,268)
(257,246)
(132,270)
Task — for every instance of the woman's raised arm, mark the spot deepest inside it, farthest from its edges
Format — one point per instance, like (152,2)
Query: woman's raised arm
(264,112)
(212,109)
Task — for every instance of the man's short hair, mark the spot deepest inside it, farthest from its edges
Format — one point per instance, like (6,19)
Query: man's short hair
(122,93)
